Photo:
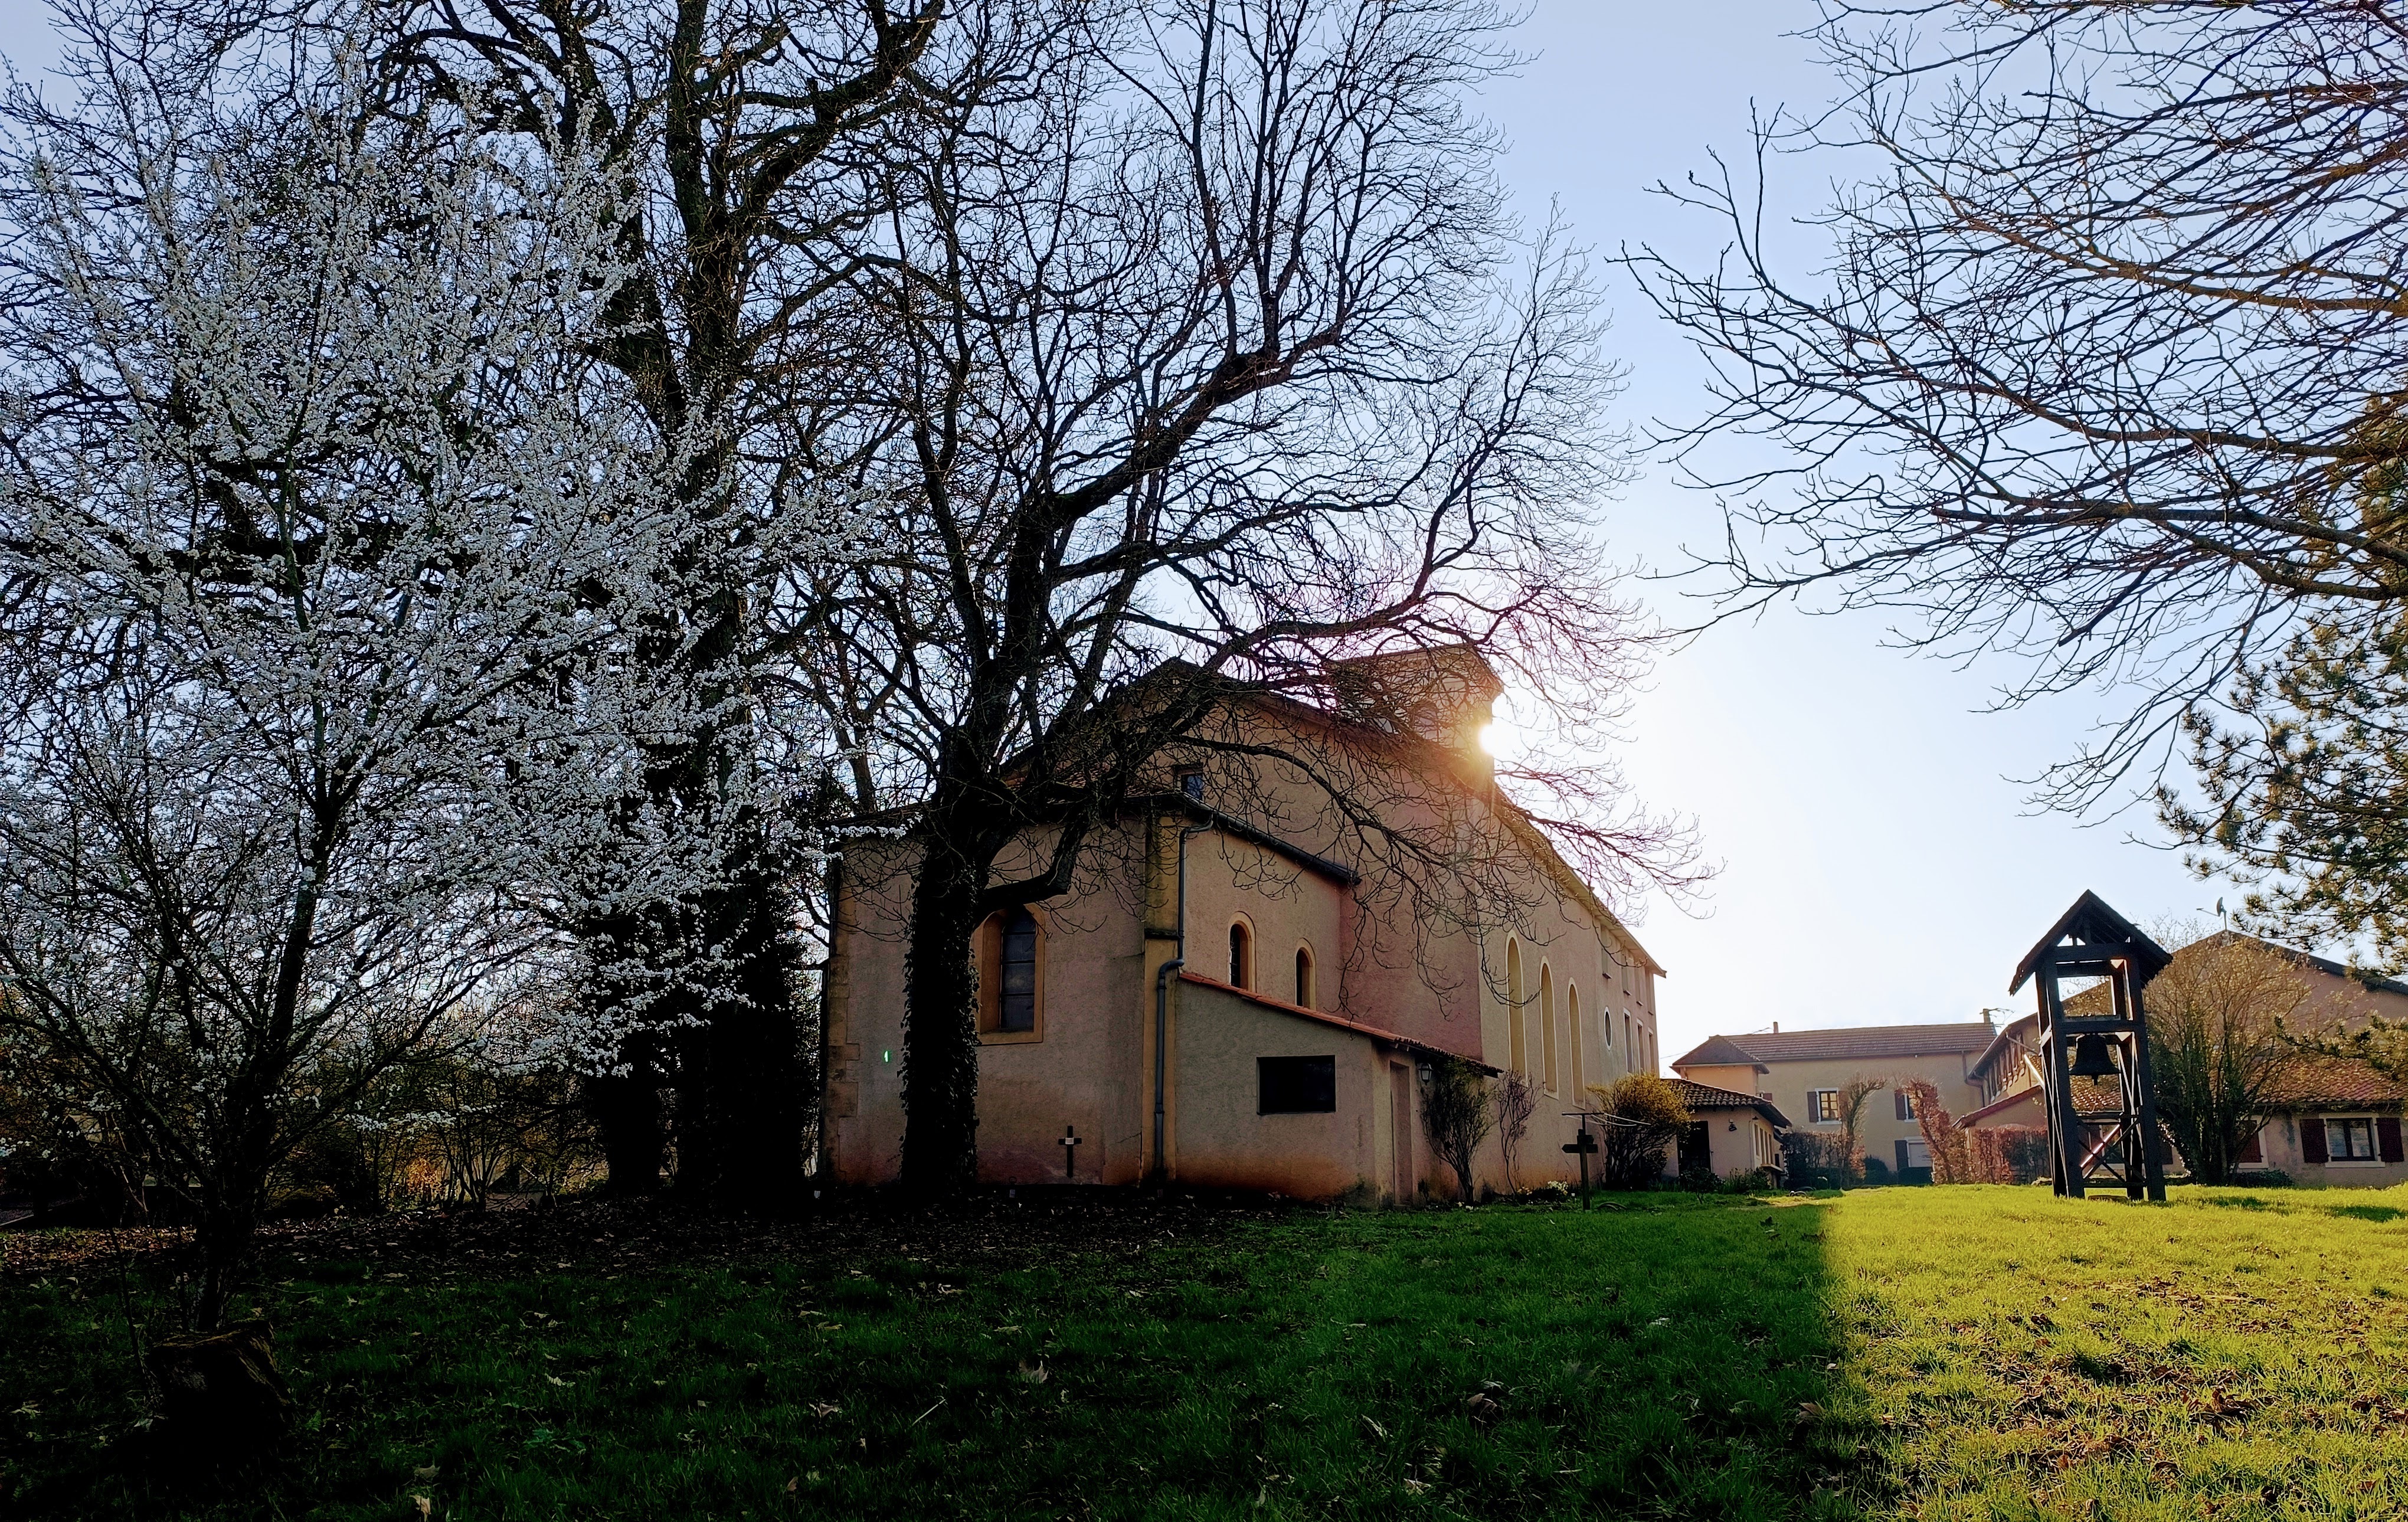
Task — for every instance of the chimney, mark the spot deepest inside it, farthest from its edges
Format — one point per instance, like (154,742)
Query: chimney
(1776,1027)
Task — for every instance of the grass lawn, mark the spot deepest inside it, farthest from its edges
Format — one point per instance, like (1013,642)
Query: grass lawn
(1934,1352)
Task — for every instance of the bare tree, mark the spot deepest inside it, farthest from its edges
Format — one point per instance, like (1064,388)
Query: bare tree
(1457,1116)
(1852,1096)
(1516,1100)
(2216,1049)
(1952,1160)
(2102,361)
(1208,378)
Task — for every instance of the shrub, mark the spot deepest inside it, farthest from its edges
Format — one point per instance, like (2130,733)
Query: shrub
(1643,1116)
(1457,1116)
(1816,1161)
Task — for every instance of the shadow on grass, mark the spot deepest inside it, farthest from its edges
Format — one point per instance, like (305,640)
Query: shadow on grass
(1659,1355)
(2367,1213)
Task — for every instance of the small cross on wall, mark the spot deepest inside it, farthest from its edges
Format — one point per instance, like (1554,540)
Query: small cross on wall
(1070,1138)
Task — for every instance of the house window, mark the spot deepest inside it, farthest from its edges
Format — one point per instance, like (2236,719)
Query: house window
(1905,1098)
(2350,1141)
(1823,1105)
(1304,976)
(1010,976)
(1298,1085)
(1192,783)
(1241,955)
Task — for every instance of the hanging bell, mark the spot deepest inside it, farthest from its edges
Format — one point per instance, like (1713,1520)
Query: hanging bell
(2090,1058)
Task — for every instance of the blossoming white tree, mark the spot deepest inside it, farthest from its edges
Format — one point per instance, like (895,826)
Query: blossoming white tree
(327,545)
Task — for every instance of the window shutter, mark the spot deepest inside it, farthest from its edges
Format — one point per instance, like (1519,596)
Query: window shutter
(2253,1151)
(2312,1138)
(1899,1097)
(2387,1138)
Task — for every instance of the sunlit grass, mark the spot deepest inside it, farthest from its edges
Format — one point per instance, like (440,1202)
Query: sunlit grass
(2232,1353)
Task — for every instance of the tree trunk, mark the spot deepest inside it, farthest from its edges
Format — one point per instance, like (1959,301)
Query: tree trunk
(627,1111)
(223,1237)
(753,1098)
(940,1002)
(221,1395)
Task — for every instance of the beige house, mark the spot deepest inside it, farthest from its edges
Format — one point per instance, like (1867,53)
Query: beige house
(1731,1132)
(2332,1124)
(1236,995)
(1803,1071)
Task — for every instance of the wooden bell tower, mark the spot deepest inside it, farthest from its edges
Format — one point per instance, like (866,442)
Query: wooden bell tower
(2092,941)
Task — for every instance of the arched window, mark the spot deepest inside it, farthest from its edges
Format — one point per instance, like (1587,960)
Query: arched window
(1572,1032)
(1241,955)
(1513,1010)
(1304,976)
(1547,1023)
(1011,975)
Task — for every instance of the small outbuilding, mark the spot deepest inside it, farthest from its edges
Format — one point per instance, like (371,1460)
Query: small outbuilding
(1729,1133)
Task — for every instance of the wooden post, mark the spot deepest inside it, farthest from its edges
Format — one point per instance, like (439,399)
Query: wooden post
(2153,1166)
(2063,1117)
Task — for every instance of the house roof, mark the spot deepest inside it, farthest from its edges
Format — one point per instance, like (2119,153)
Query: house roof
(1857,1042)
(1718,1052)
(2329,1085)
(1337,1022)
(1707,1097)
(2092,922)
(2023,1029)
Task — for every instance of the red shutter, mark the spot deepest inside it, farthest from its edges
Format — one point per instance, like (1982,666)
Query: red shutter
(2387,1137)
(2254,1150)
(2312,1138)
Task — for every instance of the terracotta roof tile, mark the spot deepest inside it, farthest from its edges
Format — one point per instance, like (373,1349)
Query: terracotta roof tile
(1707,1097)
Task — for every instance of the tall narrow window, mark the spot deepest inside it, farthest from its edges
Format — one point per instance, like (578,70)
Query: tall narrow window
(1547,1024)
(1513,1009)
(1241,955)
(1011,977)
(1018,1011)
(1572,1029)
(1304,976)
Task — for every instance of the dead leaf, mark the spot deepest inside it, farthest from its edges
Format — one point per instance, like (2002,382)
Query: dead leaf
(823,1409)
(556,1379)
(424,1472)
(425,1507)
(1035,1374)
(1482,1407)
(790,1487)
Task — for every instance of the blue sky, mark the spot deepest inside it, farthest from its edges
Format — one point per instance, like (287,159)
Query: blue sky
(1880,865)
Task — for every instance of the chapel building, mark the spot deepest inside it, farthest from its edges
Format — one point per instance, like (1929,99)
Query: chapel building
(1247,989)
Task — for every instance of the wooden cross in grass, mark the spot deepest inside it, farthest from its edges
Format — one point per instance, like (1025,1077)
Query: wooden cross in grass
(1585,1145)
(1070,1138)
